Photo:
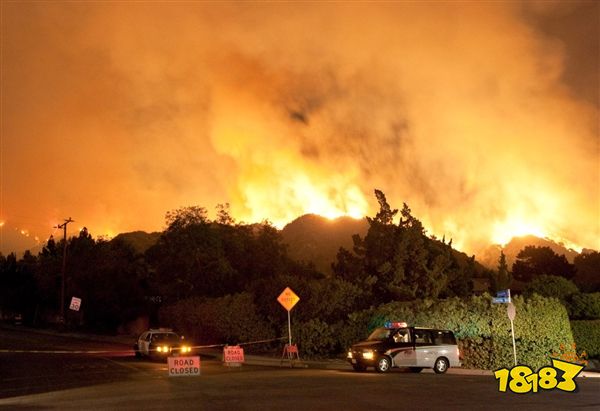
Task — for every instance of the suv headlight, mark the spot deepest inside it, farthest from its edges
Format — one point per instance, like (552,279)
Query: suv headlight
(349,354)
(368,355)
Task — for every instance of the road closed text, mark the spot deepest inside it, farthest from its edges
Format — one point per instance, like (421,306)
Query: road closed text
(184,366)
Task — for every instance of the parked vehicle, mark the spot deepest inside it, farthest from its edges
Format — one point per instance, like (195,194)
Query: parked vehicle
(398,345)
(160,343)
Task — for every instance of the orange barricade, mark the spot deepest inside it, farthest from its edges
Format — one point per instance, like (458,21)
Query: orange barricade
(290,353)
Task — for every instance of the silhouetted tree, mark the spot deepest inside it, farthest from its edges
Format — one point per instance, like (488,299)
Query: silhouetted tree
(184,217)
(460,279)
(223,215)
(587,276)
(111,286)
(17,284)
(399,262)
(188,260)
(534,261)
(501,279)
(48,280)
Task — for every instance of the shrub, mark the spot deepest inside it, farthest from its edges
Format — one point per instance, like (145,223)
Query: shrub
(570,354)
(587,336)
(315,338)
(483,328)
(551,286)
(231,319)
(584,306)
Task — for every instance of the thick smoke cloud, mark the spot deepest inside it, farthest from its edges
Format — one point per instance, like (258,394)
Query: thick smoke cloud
(114,113)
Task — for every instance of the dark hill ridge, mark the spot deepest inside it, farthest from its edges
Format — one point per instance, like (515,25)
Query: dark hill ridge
(318,239)
(140,240)
(489,257)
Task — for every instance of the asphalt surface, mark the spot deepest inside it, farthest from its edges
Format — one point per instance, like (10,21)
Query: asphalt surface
(49,370)
(125,343)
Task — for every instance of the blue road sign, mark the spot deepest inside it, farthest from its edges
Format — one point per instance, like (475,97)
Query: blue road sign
(500,300)
(502,293)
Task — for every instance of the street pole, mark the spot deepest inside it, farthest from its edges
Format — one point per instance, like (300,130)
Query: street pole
(64,267)
(289,329)
(512,312)
(512,331)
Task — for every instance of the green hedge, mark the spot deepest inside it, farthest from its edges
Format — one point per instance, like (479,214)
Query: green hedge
(587,337)
(315,338)
(584,306)
(483,328)
(551,286)
(231,319)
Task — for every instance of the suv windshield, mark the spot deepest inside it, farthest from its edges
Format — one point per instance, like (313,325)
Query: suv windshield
(379,334)
(165,337)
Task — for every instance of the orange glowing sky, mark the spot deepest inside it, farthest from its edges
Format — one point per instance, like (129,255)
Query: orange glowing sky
(482,116)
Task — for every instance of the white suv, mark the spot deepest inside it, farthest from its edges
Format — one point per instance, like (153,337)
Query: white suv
(397,345)
(160,343)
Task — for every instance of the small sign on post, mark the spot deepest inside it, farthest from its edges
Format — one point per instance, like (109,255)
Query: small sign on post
(233,356)
(288,299)
(502,297)
(75,304)
(503,294)
(511,311)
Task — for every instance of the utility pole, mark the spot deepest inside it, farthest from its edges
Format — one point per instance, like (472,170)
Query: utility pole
(64,266)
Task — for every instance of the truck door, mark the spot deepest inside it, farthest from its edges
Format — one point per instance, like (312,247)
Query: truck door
(145,344)
(425,350)
(403,352)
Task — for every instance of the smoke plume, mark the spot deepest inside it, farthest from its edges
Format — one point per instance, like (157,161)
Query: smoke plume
(114,113)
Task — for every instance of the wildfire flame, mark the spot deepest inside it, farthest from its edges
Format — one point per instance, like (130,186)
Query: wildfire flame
(475,115)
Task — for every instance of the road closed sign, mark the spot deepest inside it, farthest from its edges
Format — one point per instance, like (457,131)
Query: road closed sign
(233,355)
(184,366)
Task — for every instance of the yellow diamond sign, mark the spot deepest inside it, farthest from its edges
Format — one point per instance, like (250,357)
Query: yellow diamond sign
(288,298)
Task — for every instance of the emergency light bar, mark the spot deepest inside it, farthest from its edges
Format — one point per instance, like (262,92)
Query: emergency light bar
(395,324)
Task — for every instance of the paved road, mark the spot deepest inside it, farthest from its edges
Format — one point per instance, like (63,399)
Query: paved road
(114,381)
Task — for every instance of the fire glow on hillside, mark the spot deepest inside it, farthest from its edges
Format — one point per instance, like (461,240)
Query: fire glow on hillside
(478,115)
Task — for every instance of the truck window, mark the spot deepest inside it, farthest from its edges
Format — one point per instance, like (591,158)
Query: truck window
(401,336)
(444,337)
(422,337)
(379,334)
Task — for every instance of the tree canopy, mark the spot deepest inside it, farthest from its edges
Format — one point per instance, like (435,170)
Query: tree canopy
(399,262)
(534,261)
(196,259)
(588,271)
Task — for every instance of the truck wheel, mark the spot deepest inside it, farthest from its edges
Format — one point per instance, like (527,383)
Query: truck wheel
(383,364)
(440,366)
